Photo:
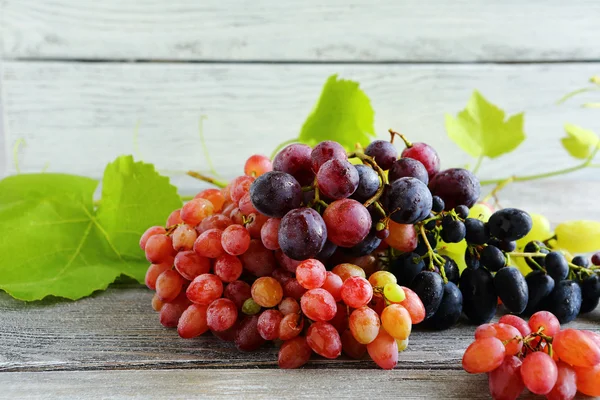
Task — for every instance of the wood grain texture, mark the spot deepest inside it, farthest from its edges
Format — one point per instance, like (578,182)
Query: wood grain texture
(247,384)
(310,30)
(76,117)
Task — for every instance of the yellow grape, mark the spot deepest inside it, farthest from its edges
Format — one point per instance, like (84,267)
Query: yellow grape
(456,251)
(395,319)
(394,292)
(402,344)
(540,230)
(578,236)
(482,211)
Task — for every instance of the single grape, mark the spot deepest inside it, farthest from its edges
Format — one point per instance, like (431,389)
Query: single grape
(510,224)
(153,230)
(450,309)
(451,270)
(396,320)
(429,286)
(402,345)
(413,305)
(221,315)
(228,335)
(406,267)
(383,152)
(556,266)
(402,237)
(302,233)
(408,200)
(324,340)
(384,350)
(168,285)
(408,167)
(564,301)
(294,353)
(239,187)
(539,285)
(453,231)
(295,160)
(311,274)
(505,382)
(327,251)
(318,305)
(596,258)
(337,179)
(351,347)
(247,337)
(216,221)
(517,322)
(456,186)
(325,151)
(258,260)
(193,321)
(157,303)
(209,244)
(462,211)
(539,372)
(333,284)
(174,218)
(153,273)
(291,325)
(578,236)
(394,293)
(289,305)
(590,293)
(245,205)
(506,333)
(437,204)
(170,313)
(267,292)
(257,164)
(581,261)
(356,292)
(348,222)
(159,249)
(368,245)
(275,193)
(255,224)
(269,232)
(588,380)
(194,211)
(215,196)
(364,324)
(576,348)
(492,258)
(512,289)
(184,237)
(476,231)
(268,324)
(228,268)
(293,289)
(235,240)
(368,183)
(426,155)
(381,278)
(481,211)
(205,289)
(238,292)
(479,295)
(504,245)
(483,355)
(347,270)
(546,320)
(566,383)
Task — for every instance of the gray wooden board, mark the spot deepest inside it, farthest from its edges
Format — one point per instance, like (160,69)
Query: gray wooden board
(308,30)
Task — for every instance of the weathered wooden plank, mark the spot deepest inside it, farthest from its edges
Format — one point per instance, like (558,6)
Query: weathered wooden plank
(118,330)
(75,117)
(407,30)
(246,383)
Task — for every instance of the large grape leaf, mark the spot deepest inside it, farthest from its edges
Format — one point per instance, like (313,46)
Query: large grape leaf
(482,130)
(55,242)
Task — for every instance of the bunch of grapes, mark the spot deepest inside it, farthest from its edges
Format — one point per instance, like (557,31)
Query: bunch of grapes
(325,251)
(537,355)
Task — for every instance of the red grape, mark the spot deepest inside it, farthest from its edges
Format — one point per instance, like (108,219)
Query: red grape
(293,289)
(153,272)
(324,340)
(384,350)
(340,319)
(348,222)
(505,382)
(364,325)
(268,324)
(215,196)
(426,155)
(246,206)
(505,333)
(153,230)
(258,260)
(588,380)
(289,305)
(247,337)
(346,271)
(517,322)
(282,275)
(566,383)
(291,325)
(239,187)
(168,285)
(356,292)
(171,312)
(544,319)
(413,305)
(402,237)
(190,265)
(294,353)
(209,244)
(184,237)
(194,211)
(539,372)
(325,151)
(576,348)
(174,218)
(483,355)
(337,179)
(235,240)
(311,274)
(333,284)
(193,321)
(238,292)
(228,268)
(318,305)
(269,232)
(216,221)
(295,159)
(157,303)
(159,249)
(221,315)
(286,262)
(257,164)
(351,346)
(205,289)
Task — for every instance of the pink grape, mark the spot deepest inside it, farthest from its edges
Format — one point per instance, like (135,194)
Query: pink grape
(168,285)
(566,383)
(289,305)
(194,211)
(426,155)
(190,265)
(505,382)
(257,164)
(348,222)
(295,159)
(294,353)
(402,237)
(221,315)
(205,289)
(216,221)
(291,325)
(159,249)
(384,350)
(255,224)
(184,237)
(239,187)
(153,230)
(337,179)
(171,312)
(269,232)
(246,206)
(286,262)
(209,244)
(483,355)
(325,151)
(228,268)
(333,284)
(505,333)
(174,218)
(517,322)
(238,292)
(576,348)
(357,292)
(215,196)
(268,324)
(588,380)
(236,216)
(364,325)
(293,289)
(311,274)
(324,340)
(258,260)
(235,240)
(539,372)
(413,305)
(153,272)
(318,305)
(544,319)
(193,321)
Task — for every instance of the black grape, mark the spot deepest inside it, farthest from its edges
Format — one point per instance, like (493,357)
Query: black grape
(429,286)
(383,152)
(472,259)
(408,200)
(590,291)
(302,233)
(479,295)
(462,211)
(406,267)
(556,265)
(456,186)
(367,246)
(492,258)
(536,247)
(453,231)
(540,285)
(275,193)
(451,270)
(295,159)
(368,183)
(581,261)
(476,231)
(564,301)
(438,204)
(450,309)
(327,251)
(510,224)
(512,289)
(589,304)
(408,167)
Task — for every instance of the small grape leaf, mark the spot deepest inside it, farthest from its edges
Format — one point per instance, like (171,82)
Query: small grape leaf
(343,113)
(481,129)
(579,142)
(55,242)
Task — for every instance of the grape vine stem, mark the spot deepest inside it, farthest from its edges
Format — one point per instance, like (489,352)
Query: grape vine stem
(432,255)
(208,179)
(371,162)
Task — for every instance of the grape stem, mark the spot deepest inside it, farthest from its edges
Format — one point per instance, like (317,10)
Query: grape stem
(433,256)
(572,266)
(208,179)
(393,133)
(478,164)
(371,162)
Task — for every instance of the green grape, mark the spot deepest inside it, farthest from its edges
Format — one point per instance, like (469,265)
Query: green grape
(540,231)
(250,307)
(394,292)
(402,344)
(482,211)
(456,251)
(578,236)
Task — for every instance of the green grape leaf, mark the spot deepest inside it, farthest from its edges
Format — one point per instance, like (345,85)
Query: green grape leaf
(481,129)
(579,142)
(56,242)
(343,113)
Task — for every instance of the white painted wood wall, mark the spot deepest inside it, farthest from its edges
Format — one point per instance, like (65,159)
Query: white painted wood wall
(78,76)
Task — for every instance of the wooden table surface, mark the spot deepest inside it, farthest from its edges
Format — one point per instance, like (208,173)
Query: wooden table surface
(111,345)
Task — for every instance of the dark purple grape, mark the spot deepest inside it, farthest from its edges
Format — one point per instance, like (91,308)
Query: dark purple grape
(429,286)
(426,155)
(438,204)
(510,224)
(590,292)
(492,258)
(368,183)
(536,247)
(383,152)
(406,267)
(477,232)
(581,261)
(275,193)
(450,309)
(479,295)
(325,151)
(512,289)
(556,266)
(367,246)
(462,211)
(456,186)
(451,270)
(337,179)
(408,201)
(302,234)
(408,167)
(540,285)
(327,251)
(247,337)
(564,301)
(295,159)
(453,231)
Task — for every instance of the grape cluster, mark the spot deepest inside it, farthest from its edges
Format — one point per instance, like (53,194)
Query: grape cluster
(537,355)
